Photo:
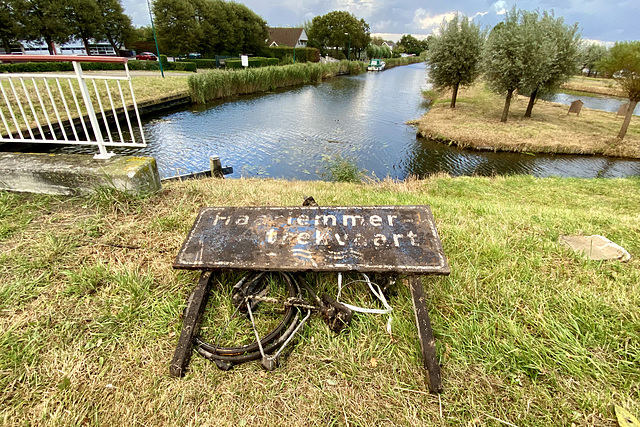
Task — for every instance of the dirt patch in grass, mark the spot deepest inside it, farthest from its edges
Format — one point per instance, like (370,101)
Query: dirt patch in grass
(475,123)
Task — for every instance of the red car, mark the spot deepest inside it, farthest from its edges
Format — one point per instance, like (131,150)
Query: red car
(147,56)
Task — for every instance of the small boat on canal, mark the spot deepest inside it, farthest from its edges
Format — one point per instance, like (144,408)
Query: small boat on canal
(376,65)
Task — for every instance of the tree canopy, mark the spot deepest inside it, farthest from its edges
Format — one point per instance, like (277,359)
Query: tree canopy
(209,27)
(9,28)
(454,55)
(623,63)
(411,45)
(590,55)
(58,21)
(339,29)
(530,53)
(553,54)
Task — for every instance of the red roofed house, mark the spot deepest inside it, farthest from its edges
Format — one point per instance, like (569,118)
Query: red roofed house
(292,37)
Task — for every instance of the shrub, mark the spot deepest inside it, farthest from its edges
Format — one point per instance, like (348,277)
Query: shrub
(343,169)
(183,66)
(303,54)
(201,63)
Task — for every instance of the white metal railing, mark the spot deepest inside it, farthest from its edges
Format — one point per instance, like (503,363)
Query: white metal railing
(55,108)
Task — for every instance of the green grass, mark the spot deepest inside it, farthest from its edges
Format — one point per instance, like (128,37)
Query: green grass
(527,332)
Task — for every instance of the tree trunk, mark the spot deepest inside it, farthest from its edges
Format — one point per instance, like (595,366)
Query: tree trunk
(455,95)
(50,46)
(85,41)
(627,119)
(112,42)
(507,104)
(532,100)
(6,45)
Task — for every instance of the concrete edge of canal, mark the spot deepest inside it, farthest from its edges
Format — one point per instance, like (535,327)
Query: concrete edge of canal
(75,174)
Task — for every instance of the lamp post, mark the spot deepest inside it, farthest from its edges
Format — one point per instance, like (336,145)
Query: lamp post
(349,51)
(155,39)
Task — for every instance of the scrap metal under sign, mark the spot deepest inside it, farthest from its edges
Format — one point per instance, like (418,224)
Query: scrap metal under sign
(400,239)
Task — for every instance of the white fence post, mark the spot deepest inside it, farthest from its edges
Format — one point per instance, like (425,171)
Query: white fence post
(103,155)
(24,120)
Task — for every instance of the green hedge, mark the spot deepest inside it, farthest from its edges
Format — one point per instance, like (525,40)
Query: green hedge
(201,63)
(303,54)
(40,67)
(253,62)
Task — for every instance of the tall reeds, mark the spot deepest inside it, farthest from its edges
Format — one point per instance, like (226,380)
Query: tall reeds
(217,84)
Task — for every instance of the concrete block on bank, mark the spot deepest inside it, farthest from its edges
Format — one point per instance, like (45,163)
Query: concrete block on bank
(73,174)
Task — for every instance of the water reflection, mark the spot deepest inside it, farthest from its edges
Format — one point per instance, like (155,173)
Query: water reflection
(429,157)
(289,133)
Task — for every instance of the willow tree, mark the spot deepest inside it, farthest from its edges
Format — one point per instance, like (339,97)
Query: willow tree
(505,58)
(454,55)
(553,55)
(623,63)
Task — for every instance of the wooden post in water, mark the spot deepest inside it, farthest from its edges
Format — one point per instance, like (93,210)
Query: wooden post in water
(216,167)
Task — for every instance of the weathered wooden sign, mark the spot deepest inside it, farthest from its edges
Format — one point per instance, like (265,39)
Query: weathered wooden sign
(401,239)
(576,107)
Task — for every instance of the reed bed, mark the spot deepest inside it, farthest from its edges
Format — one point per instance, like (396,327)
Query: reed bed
(218,84)
(397,62)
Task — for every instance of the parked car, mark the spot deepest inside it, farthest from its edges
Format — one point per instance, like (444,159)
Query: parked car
(147,56)
(194,55)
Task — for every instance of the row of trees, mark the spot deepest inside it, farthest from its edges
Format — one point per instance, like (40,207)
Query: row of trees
(530,53)
(209,27)
(411,45)
(58,21)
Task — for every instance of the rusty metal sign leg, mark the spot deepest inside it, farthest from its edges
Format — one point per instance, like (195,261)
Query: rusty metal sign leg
(425,334)
(193,314)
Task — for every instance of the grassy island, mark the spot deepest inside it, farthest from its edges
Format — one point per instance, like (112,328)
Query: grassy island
(528,332)
(475,123)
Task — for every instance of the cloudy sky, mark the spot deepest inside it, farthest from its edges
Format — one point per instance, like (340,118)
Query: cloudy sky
(599,20)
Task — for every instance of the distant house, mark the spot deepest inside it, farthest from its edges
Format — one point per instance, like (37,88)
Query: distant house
(389,44)
(292,37)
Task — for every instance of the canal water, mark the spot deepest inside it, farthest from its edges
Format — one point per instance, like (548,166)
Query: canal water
(294,133)
(593,102)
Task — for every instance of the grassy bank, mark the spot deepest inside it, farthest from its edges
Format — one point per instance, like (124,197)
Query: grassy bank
(147,90)
(475,123)
(606,87)
(527,332)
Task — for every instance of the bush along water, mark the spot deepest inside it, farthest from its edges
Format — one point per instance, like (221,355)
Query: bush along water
(217,84)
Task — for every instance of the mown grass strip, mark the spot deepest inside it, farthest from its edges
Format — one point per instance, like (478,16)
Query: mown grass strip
(527,332)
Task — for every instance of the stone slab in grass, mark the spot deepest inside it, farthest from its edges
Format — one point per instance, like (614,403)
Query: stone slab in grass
(72,174)
(596,248)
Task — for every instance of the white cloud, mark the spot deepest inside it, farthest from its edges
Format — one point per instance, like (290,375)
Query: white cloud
(500,7)
(592,41)
(426,21)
